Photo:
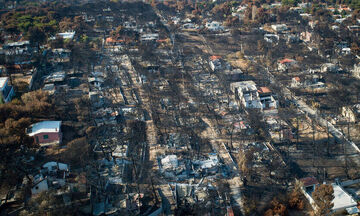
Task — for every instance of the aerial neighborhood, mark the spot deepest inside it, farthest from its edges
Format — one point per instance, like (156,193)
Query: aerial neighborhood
(189,107)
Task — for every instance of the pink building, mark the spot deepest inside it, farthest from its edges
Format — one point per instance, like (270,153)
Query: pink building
(46,133)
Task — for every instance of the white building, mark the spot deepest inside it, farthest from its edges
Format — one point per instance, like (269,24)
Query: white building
(214,26)
(346,51)
(342,200)
(55,166)
(190,26)
(329,68)
(39,184)
(169,162)
(271,38)
(356,71)
(65,35)
(247,93)
(279,27)
(149,37)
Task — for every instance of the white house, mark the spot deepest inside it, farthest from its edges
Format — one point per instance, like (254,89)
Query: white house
(356,71)
(169,162)
(214,26)
(6,90)
(247,93)
(39,184)
(189,26)
(271,38)
(346,51)
(149,37)
(279,27)
(317,85)
(335,28)
(65,35)
(275,5)
(53,166)
(96,81)
(329,67)
(342,200)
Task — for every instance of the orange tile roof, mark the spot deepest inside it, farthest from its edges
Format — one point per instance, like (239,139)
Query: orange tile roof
(212,58)
(297,79)
(286,61)
(264,90)
(347,9)
(112,40)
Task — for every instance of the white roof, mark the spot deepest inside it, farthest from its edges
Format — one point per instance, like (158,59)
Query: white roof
(19,43)
(3,81)
(245,85)
(67,35)
(169,161)
(60,50)
(60,166)
(45,127)
(95,79)
(206,164)
(342,199)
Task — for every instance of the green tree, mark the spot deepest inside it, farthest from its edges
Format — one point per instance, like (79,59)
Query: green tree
(292,3)
(1,99)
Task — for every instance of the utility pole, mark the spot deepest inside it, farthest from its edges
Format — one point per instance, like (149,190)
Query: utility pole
(328,138)
(297,131)
(313,142)
(348,128)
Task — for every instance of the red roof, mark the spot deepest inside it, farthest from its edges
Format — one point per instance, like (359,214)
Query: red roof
(308,181)
(230,211)
(112,40)
(297,79)
(212,58)
(286,61)
(345,8)
(161,40)
(264,90)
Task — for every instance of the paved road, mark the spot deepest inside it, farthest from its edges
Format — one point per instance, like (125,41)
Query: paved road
(211,133)
(313,113)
